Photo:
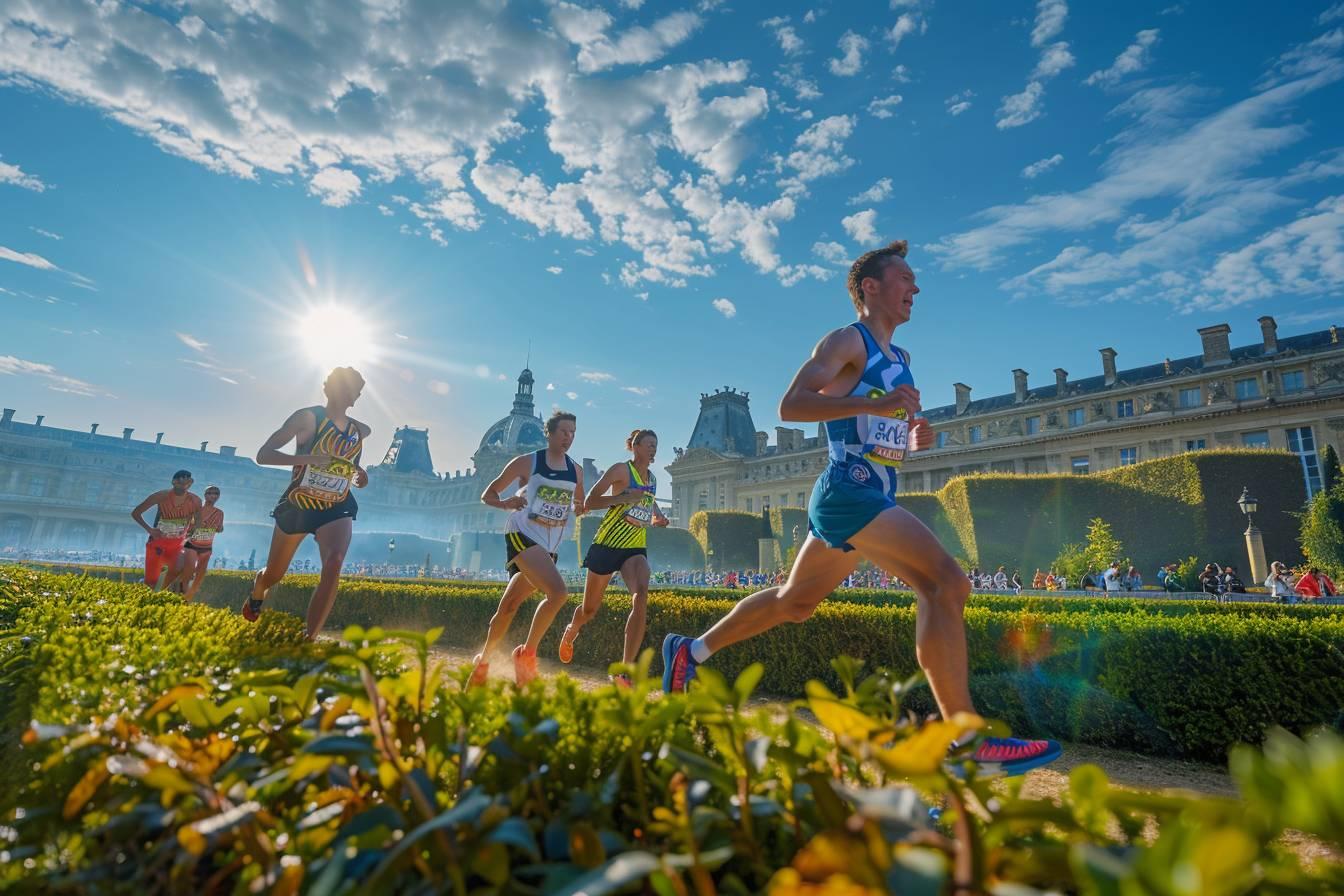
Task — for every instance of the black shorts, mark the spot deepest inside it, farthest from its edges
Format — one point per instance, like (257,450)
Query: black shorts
(198,548)
(293,520)
(514,544)
(606,561)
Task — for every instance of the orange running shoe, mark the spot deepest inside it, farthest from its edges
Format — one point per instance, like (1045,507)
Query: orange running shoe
(251,609)
(622,681)
(480,672)
(567,644)
(524,665)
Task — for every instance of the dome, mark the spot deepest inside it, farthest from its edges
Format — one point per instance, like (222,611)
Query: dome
(515,434)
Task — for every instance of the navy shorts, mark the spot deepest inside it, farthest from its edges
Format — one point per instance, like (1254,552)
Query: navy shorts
(292,520)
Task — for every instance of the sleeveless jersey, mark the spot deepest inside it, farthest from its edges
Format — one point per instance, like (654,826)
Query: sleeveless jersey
(204,533)
(320,486)
(549,512)
(868,449)
(172,515)
(626,525)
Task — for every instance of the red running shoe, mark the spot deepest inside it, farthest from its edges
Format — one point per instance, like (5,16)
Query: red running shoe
(524,665)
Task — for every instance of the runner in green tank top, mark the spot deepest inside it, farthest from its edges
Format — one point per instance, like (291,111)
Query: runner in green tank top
(621,544)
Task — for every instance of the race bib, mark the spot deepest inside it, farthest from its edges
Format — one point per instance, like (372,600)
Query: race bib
(328,483)
(639,515)
(885,439)
(173,528)
(203,536)
(550,505)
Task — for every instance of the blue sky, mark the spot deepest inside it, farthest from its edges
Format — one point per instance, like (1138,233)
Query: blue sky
(661,198)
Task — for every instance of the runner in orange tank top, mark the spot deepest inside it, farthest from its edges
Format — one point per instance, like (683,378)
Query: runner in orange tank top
(176,511)
(201,544)
(318,501)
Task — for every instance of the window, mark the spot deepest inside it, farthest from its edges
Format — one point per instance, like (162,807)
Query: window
(1129,456)
(802,499)
(1293,381)
(1248,388)
(1033,425)
(93,492)
(1076,417)
(1302,442)
(37,486)
(749,510)
(1192,398)
(1124,408)
(1257,439)
(783,500)
(1081,466)
(1194,444)
(976,434)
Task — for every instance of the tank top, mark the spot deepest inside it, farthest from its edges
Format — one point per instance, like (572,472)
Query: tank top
(549,512)
(204,533)
(320,486)
(626,525)
(867,450)
(172,515)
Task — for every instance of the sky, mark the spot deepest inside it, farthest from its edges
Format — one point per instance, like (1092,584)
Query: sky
(203,206)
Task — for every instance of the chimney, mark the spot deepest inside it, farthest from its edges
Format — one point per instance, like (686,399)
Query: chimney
(1108,365)
(40,418)
(203,444)
(784,438)
(1270,330)
(158,438)
(8,417)
(761,440)
(93,429)
(126,433)
(1019,385)
(1061,381)
(228,451)
(1217,349)
(963,397)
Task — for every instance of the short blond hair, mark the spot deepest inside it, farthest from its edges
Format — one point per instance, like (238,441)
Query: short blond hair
(871,264)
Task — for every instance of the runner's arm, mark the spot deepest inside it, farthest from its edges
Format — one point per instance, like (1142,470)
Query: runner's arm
(618,480)
(299,424)
(361,474)
(804,402)
(658,518)
(518,469)
(138,514)
(580,506)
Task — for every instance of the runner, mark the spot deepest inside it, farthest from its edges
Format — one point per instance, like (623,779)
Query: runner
(201,543)
(175,509)
(621,544)
(318,500)
(859,385)
(549,496)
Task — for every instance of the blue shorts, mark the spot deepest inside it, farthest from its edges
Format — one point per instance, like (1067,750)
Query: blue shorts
(839,508)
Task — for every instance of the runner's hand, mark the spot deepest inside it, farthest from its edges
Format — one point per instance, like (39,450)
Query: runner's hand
(661,521)
(361,477)
(921,435)
(156,533)
(517,502)
(904,397)
(579,507)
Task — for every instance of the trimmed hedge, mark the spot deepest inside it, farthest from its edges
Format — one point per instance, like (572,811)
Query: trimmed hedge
(729,538)
(783,521)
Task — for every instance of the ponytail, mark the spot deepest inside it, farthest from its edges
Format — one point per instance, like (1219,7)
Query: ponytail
(637,436)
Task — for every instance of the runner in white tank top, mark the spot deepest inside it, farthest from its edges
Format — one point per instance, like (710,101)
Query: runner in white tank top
(544,507)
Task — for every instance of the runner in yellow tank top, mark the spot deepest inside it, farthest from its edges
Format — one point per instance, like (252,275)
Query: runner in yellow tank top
(621,544)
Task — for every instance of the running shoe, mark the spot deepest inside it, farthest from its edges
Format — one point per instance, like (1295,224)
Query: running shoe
(251,609)
(480,671)
(1011,756)
(524,665)
(567,644)
(622,681)
(678,664)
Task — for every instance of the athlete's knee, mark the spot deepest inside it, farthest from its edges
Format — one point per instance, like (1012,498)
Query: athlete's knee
(798,604)
(557,593)
(953,586)
(333,560)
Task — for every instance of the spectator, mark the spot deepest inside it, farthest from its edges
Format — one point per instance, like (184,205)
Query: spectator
(1315,584)
(1162,576)
(1038,581)
(1112,579)
(1016,582)
(1133,581)
(1211,582)
(1278,584)
(1050,581)
(1172,581)
(1062,582)
(1000,580)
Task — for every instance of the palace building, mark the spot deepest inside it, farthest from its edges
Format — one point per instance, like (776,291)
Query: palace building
(73,490)
(1285,393)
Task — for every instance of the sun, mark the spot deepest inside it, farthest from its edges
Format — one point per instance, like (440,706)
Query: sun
(335,336)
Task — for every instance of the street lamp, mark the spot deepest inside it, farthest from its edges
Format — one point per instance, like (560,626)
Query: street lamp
(391,546)
(1255,544)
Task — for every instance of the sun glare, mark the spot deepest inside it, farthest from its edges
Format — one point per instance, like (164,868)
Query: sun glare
(334,336)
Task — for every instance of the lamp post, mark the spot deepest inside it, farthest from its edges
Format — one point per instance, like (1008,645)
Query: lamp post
(1255,544)
(391,546)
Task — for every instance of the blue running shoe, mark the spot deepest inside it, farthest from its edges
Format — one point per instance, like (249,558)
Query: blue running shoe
(1011,756)
(678,664)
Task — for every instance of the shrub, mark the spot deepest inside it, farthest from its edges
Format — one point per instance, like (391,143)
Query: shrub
(1323,532)
(783,522)
(1103,548)
(730,539)
(1073,563)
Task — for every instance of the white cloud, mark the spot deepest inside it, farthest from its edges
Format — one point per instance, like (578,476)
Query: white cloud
(901,74)
(832,252)
(1050,16)
(439,387)
(1329,15)
(788,38)
(596,376)
(958,102)
(335,186)
(550,387)
(792,274)
(31,259)
(1054,59)
(906,24)
(54,379)
(192,342)
(861,226)
(1135,57)
(46,233)
(229,380)
(587,28)
(725,307)
(791,76)
(883,107)
(571,395)
(1021,108)
(641,391)
(957,108)
(817,152)
(1036,169)
(732,223)
(876,193)
(852,47)
(385,211)
(642,296)
(12,174)
(555,269)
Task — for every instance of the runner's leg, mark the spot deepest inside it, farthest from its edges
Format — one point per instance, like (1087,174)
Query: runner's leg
(635,574)
(333,540)
(283,546)
(540,569)
(182,569)
(903,546)
(202,565)
(594,589)
(519,589)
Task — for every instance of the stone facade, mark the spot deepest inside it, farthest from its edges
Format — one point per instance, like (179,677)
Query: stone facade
(1285,393)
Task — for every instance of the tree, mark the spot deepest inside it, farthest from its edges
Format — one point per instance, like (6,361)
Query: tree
(1330,474)
(1103,548)
(1323,531)
(1072,562)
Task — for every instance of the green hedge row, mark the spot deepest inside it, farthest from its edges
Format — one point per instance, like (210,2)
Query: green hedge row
(729,538)
(1191,684)
(784,521)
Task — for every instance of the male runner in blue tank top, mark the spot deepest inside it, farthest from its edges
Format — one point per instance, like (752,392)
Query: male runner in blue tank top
(859,385)
(317,501)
